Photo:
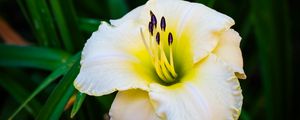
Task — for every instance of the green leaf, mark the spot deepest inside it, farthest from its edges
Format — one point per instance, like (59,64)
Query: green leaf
(88,24)
(106,101)
(22,6)
(42,22)
(209,3)
(117,8)
(78,102)
(56,102)
(64,67)
(29,56)
(19,93)
(245,115)
(67,22)
(246,29)
(272,30)
(8,106)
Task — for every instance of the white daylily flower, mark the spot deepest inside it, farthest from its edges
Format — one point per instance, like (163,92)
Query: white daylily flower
(168,59)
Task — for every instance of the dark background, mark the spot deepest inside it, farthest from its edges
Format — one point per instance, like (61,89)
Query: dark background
(38,36)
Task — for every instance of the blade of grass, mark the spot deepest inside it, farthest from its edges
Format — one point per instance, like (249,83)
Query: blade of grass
(67,22)
(19,93)
(264,30)
(88,24)
(282,7)
(8,106)
(28,56)
(209,3)
(273,41)
(22,6)
(117,8)
(42,22)
(245,115)
(246,29)
(56,102)
(78,102)
(106,101)
(64,67)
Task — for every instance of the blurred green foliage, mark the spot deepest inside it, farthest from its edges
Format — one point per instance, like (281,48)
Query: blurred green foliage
(36,80)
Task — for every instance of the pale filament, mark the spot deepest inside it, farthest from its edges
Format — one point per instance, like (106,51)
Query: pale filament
(164,67)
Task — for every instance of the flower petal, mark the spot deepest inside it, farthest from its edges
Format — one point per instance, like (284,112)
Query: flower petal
(114,58)
(179,102)
(209,92)
(132,105)
(192,22)
(228,49)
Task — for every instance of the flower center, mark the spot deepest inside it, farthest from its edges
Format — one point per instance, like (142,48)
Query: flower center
(162,58)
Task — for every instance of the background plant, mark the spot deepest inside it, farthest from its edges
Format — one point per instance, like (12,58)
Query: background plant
(41,41)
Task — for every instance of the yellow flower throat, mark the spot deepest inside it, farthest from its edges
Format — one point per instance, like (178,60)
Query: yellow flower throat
(164,66)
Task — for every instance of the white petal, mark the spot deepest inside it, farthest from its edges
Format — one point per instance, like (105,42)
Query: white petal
(132,105)
(183,102)
(114,58)
(228,49)
(189,22)
(132,15)
(209,92)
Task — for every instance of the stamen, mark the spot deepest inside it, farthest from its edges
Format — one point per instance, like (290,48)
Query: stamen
(163,23)
(164,66)
(151,13)
(170,39)
(158,71)
(167,70)
(144,41)
(153,19)
(169,65)
(157,38)
(150,27)
(172,61)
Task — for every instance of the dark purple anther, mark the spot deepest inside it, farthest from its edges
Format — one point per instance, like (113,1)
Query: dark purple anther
(153,19)
(170,39)
(157,37)
(151,13)
(150,27)
(163,23)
